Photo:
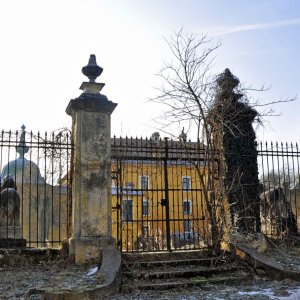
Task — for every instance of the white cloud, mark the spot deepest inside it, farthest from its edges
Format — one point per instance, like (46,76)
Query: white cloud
(215,31)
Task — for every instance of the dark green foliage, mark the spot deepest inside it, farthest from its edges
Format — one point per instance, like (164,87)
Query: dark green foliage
(234,117)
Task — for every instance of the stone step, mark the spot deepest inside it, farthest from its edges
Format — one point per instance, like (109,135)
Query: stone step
(167,256)
(211,261)
(186,271)
(177,270)
(183,282)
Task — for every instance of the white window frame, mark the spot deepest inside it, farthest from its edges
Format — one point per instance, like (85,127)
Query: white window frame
(124,217)
(129,186)
(148,182)
(190,207)
(148,207)
(188,188)
(190,226)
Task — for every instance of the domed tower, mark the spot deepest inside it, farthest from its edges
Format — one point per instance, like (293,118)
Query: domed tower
(22,170)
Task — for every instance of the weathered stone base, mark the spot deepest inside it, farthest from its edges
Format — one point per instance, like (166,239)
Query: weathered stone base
(88,250)
(106,282)
(12,243)
(11,237)
(11,232)
(261,261)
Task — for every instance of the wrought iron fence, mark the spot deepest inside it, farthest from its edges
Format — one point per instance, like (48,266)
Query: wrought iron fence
(158,202)
(39,165)
(280,189)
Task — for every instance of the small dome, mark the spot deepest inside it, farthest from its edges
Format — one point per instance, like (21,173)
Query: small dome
(23,170)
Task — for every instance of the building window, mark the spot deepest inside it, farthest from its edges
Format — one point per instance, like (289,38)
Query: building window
(127,210)
(145,230)
(113,187)
(145,208)
(144,180)
(129,185)
(187,207)
(186,183)
(188,225)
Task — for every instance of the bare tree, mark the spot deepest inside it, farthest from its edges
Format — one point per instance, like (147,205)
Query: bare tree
(187,88)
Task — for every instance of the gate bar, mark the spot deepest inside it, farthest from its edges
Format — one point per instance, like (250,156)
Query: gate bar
(167,196)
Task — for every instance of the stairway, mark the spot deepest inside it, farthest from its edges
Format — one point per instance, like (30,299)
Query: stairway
(180,269)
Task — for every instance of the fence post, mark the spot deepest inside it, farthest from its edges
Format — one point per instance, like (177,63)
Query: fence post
(91,183)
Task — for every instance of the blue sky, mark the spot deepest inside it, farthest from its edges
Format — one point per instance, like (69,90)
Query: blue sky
(44,44)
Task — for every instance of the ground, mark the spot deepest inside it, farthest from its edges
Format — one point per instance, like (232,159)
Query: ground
(258,289)
(286,255)
(23,282)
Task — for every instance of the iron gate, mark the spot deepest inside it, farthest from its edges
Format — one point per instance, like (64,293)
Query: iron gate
(157,200)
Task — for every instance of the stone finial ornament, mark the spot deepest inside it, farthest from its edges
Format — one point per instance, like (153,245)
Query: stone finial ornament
(22,148)
(92,70)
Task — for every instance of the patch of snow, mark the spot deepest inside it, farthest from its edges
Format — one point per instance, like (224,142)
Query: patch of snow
(92,271)
(266,292)
(294,294)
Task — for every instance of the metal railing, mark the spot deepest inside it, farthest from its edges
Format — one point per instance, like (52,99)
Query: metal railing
(39,165)
(158,202)
(279,167)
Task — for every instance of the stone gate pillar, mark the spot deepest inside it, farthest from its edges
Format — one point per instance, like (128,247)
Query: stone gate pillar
(91,186)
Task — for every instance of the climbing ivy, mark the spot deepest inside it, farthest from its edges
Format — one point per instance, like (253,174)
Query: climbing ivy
(232,117)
